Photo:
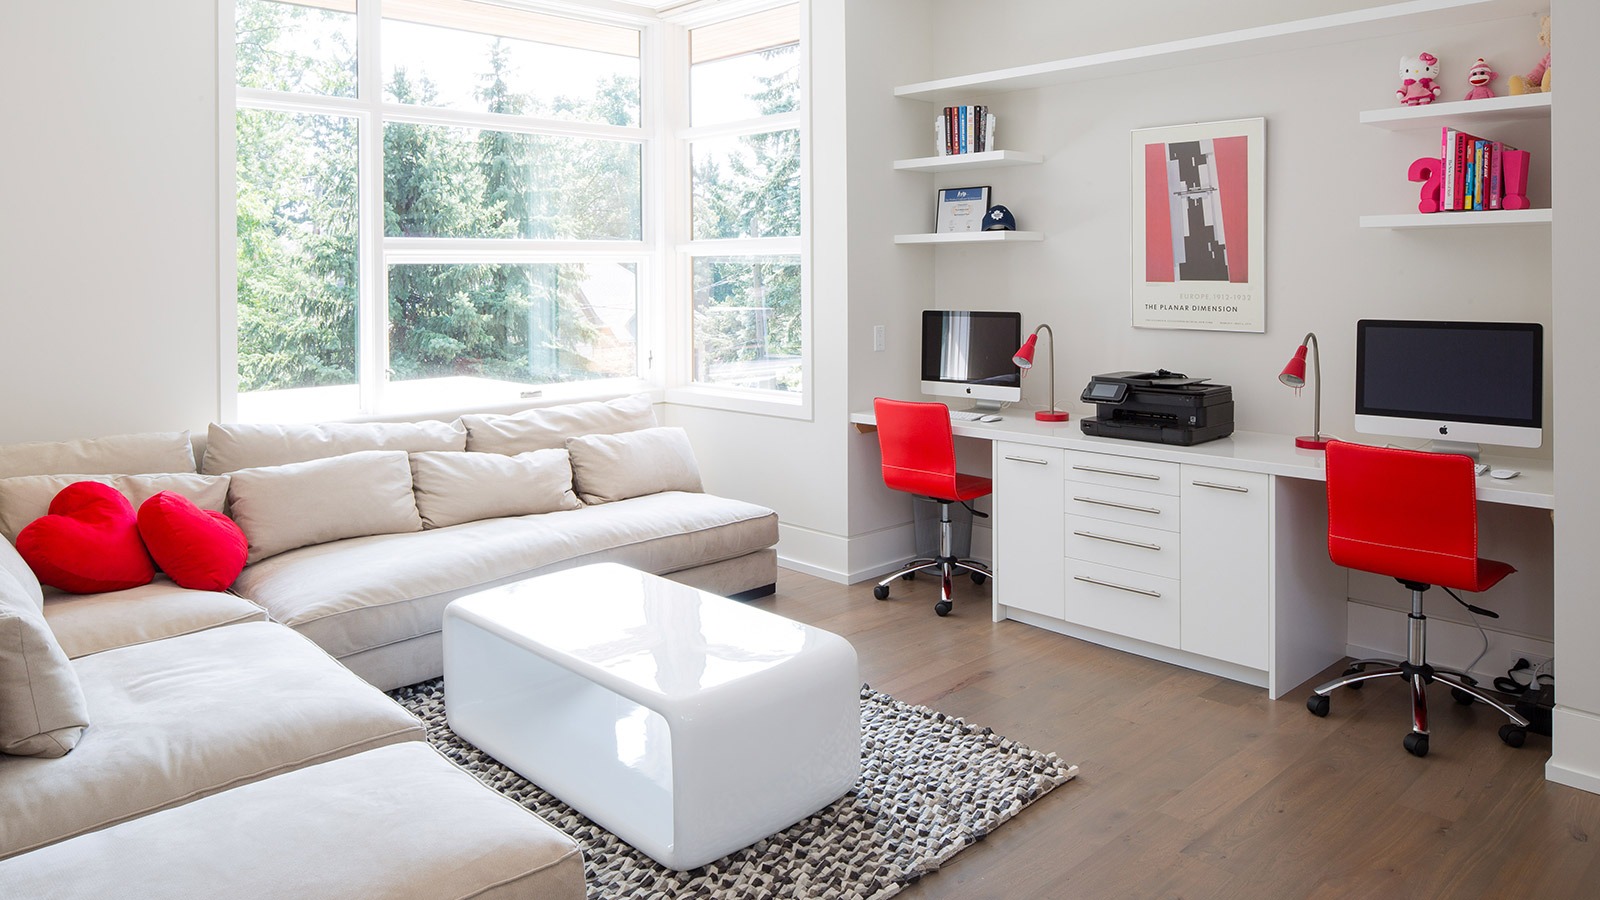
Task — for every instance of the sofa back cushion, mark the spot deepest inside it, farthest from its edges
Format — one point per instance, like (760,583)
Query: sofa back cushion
(452,488)
(27,497)
(167,451)
(610,467)
(233,447)
(42,710)
(12,563)
(544,429)
(320,500)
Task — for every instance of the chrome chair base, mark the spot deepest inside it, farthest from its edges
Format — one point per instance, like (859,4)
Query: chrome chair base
(947,565)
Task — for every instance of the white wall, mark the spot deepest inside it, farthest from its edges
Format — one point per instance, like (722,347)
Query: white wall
(108,233)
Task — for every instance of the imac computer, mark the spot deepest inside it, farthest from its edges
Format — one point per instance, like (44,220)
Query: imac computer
(968,355)
(1459,383)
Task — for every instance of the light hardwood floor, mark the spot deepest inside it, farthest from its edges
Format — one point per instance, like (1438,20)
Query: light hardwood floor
(1194,786)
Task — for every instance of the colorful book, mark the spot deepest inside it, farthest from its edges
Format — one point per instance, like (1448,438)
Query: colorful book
(1496,189)
(1447,159)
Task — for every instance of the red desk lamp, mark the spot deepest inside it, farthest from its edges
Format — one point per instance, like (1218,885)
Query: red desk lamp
(1294,375)
(1024,360)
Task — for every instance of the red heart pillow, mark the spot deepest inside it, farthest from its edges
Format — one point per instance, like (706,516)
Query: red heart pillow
(88,544)
(197,548)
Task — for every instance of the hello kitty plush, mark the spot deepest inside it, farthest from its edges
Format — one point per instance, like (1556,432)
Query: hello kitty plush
(1419,73)
(1479,77)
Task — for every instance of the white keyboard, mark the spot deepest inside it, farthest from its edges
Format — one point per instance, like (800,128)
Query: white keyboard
(963,415)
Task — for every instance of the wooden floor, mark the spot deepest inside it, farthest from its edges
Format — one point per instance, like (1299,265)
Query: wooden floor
(1194,786)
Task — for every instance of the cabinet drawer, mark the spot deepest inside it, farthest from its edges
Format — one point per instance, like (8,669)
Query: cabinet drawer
(1122,471)
(1116,504)
(1132,604)
(1124,546)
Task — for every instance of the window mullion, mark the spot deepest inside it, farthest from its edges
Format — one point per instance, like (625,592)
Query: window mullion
(372,309)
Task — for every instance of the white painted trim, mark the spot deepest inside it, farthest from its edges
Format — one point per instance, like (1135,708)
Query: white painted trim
(453,118)
(1378,631)
(412,250)
(760,125)
(1233,671)
(773,246)
(227,360)
(1575,749)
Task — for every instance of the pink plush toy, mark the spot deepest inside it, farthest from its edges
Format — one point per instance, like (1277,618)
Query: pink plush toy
(1538,80)
(1479,77)
(1419,72)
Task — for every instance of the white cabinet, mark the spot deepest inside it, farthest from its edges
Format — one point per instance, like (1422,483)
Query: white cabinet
(1028,527)
(1225,562)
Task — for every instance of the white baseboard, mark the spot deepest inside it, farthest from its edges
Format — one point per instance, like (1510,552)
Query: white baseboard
(862,557)
(1377,631)
(1575,750)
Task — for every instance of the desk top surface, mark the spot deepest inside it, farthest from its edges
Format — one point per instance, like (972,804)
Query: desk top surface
(1247,451)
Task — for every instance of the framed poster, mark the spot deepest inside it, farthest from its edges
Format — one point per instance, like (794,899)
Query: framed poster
(1198,222)
(960,209)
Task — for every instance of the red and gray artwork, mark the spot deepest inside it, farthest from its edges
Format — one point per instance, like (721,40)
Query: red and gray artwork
(1197,196)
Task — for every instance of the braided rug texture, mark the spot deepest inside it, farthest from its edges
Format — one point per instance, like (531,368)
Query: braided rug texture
(930,785)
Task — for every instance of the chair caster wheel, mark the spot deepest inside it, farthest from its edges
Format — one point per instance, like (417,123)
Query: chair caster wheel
(909,576)
(1355,670)
(942,607)
(881,592)
(1416,744)
(1462,697)
(1318,705)
(979,578)
(1513,735)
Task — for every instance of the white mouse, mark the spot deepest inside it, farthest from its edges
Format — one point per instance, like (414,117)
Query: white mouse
(997,418)
(1503,473)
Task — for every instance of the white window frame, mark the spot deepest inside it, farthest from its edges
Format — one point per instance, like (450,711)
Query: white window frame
(377,252)
(677,267)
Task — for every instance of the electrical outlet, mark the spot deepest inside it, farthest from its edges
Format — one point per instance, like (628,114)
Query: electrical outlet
(1542,665)
(878,338)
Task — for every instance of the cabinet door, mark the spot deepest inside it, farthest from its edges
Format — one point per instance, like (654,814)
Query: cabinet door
(1225,564)
(1028,527)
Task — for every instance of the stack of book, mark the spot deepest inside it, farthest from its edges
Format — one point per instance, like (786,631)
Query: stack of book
(1472,171)
(964,129)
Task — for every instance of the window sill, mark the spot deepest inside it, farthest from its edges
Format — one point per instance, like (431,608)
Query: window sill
(763,403)
(423,399)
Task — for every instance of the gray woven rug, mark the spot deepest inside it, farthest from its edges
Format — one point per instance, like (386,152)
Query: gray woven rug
(930,785)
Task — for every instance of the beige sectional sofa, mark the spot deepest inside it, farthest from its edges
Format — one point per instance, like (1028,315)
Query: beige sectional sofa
(203,707)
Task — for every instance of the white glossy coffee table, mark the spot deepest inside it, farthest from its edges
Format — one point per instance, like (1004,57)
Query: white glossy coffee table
(687,724)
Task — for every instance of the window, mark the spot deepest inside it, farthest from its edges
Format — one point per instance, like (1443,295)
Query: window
(743,154)
(439,207)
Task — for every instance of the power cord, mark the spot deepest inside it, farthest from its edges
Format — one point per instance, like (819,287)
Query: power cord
(1472,613)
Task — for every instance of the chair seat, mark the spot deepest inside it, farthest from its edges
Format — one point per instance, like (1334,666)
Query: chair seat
(968,487)
(1490,571)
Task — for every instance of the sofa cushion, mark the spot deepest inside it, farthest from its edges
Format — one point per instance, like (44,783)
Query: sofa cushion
(90,623)
(28,497)
(240,446)
(610,467)
(409,826)
(284,507)
(167,451)
(452,488)
(189,716)
(12,563)
(368,592)
(542,429)
(42,710)
(88,543)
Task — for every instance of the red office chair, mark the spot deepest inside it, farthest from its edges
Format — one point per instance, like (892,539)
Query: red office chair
(1414,517)
(919,457)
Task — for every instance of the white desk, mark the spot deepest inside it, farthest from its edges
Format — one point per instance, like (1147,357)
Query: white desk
(1228,571)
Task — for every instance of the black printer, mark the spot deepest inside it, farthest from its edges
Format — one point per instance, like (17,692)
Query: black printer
(1160,406)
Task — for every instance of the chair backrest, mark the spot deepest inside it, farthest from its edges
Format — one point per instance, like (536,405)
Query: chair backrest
(919,451)
(1403,513)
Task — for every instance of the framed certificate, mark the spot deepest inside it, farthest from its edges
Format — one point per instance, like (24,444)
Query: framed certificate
(960,209)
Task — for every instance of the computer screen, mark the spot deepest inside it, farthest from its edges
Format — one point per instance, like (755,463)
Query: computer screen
(969,354)
(1451,381)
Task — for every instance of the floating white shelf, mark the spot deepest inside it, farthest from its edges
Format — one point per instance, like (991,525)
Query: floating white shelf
(969,237)
(1466,113)
(1395,18)
(989,159)
(1459,219)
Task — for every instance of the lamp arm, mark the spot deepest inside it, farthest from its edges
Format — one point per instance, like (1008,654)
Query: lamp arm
(1316,369)
(1052,335)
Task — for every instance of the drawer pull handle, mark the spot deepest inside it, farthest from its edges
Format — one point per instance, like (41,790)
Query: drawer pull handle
(1120,587)
(1099,471)
(1221,487)
(1029,459)
(1098,502)
(1116,540)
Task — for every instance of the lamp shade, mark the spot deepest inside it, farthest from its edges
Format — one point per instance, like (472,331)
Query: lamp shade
(1024,355)
(1294,374)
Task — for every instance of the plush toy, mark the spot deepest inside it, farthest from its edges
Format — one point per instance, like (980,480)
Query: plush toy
(1419,72)
(1538,80)
(1479,77)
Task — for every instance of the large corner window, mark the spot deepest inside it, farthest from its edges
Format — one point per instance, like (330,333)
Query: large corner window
(438,205)
(743,152)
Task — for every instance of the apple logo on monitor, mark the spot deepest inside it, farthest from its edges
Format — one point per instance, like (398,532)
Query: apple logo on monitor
(1444,429)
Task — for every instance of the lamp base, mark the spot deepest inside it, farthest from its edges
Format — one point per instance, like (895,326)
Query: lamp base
(1311,442)
(1052,415)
